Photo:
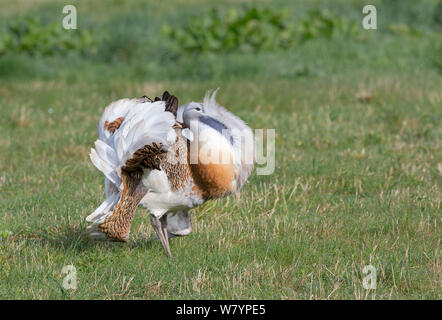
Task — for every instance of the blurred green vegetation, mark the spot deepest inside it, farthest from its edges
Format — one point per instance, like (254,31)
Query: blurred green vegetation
(254,30)
(438,14)
(243,30)
(29,35)
(201,41)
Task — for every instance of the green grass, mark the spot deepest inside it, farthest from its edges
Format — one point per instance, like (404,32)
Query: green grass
(355,183)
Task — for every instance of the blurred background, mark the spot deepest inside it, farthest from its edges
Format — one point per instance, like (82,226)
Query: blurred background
(358,172)
(201,40)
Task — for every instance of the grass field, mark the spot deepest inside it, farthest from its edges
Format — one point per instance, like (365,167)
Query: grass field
(358,159)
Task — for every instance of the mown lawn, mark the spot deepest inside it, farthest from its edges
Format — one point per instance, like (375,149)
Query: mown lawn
(358,162)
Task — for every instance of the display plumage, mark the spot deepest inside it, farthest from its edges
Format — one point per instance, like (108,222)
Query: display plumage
(167,158)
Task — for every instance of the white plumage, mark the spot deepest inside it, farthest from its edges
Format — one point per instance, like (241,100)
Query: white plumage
(144,123)
(127,129)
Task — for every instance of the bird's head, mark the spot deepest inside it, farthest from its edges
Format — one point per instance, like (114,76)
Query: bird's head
(190,112)
(208,118)
(200,116)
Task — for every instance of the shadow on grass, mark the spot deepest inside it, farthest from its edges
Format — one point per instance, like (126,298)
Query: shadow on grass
(76,238)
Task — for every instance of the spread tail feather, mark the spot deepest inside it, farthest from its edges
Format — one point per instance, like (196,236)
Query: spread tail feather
(104,209)
(140,123)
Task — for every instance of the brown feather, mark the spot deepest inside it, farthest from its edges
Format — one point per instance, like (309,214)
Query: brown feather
(171,102)
(117,225)
(147,157)
(114,125)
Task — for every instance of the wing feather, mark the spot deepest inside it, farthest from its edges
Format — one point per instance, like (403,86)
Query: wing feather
(140,123)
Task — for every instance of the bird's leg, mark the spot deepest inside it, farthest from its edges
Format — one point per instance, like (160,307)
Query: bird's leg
(160,227)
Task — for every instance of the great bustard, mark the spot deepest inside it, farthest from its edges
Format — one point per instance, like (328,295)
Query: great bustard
(167,158)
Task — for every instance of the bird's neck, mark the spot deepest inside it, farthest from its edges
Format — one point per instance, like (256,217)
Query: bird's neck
(117,225)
